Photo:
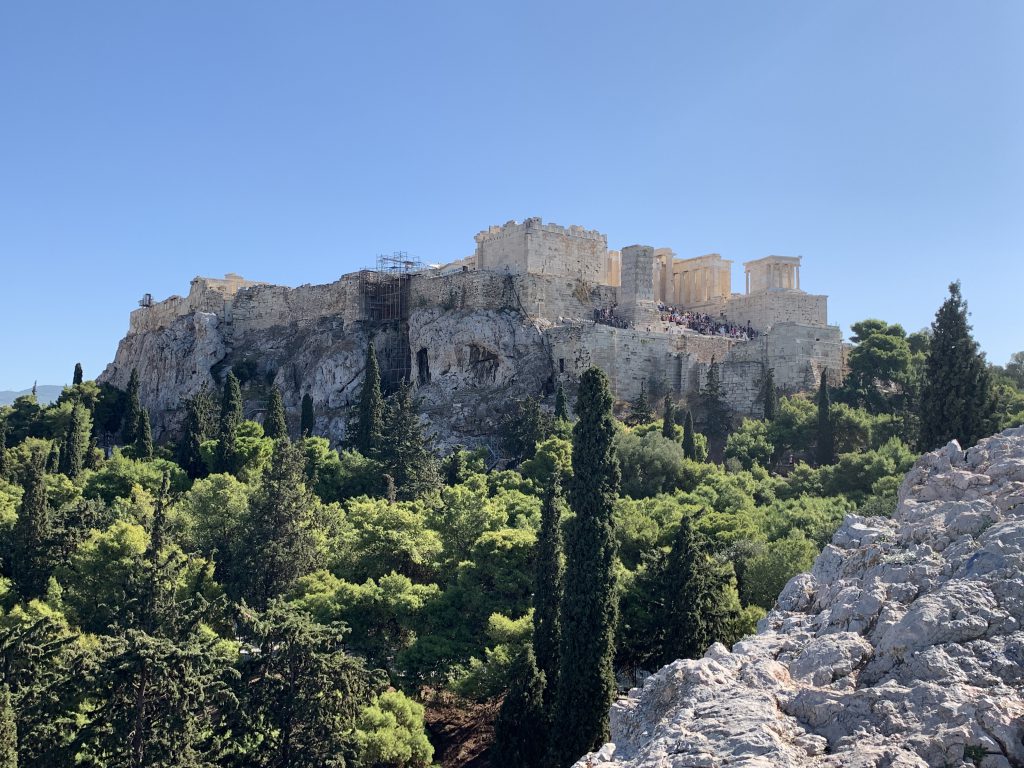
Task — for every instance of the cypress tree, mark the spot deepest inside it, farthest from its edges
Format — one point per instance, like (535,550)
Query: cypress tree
(275,424)
(5,466)
(826,439)
(227,431)
(133,407)
(956,396)
(547,591)
(689,441)
(715,407)
(200,420)
(76,442)
(455,467)
(8,731)
(307,419)
(405,454)
(770,395)
(279,540)
(521,728)
(77,377)
(687,596)
(32,536)
(586,681)
(53,459)
(640,411)
(561,407)
(668,418)
(144,437)
(366,431)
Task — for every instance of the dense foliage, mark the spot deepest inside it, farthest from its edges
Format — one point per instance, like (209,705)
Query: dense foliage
(237,599)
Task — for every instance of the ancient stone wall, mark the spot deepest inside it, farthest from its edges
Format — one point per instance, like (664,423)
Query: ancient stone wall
(763,310)
(544,249)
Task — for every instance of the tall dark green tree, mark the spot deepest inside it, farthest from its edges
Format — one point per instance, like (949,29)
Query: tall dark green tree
(689,439)
(640,411)
(31,563)
(144,437)
(76,378)
(716,410)
(76,442)
(227,431)
(688,595)
(369,417)
(8,731)
(405,454)
(668,418)
(279,540)
(586,681)
(53,460)
(301,692)
(956,396)
(133,407)
(547,591)
(520,731)
(526,425)
(275,424)
(307,418)
(200,424)
(770,395)
(825,442)
(5,464)
(561,406)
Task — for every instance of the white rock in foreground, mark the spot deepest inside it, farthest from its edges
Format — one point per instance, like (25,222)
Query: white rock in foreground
(902,647)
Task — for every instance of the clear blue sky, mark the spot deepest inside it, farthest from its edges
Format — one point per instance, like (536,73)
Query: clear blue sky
(142,143)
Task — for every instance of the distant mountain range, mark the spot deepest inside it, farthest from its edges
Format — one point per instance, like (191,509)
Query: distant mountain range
(46,393)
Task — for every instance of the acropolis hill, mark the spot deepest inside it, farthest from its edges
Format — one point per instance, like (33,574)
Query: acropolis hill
(535,305)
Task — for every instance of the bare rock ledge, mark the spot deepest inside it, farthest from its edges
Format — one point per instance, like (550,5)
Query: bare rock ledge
(902,647)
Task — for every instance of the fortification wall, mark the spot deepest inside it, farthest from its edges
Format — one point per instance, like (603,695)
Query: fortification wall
(765,310)
(266,306)
(534,247)
(797,354)
(470,290)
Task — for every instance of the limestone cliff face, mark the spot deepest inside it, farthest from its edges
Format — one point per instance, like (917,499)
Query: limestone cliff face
(468,366)
(902,647)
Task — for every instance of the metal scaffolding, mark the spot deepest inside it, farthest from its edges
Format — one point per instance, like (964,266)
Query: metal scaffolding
(385,292)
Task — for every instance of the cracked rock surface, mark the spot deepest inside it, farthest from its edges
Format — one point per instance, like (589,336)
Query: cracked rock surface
(902,647)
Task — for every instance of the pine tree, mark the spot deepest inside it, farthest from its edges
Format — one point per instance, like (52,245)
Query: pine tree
(405,454)
(144,437)
(369,416)
(200,424)
(586,681)
(455,467)
(133,407)
(547,592)
(687,596)
(31,564)
(300,691)
(668,418)
(689,440)
(640,411)
(770,395)
(521,728)
(956,395)
(525,426)
(279,543)
(307,419)
(76,442)
(76,379)
(275,424)
(561,407)
(230,419)
(826,439)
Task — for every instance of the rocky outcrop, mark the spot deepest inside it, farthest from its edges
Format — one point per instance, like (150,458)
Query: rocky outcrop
(468,366)
(902,647)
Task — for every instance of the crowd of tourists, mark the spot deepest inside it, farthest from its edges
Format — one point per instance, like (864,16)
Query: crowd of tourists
(606,316)
(705,324)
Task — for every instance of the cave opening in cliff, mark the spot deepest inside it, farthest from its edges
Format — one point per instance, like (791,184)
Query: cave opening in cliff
(423,366)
